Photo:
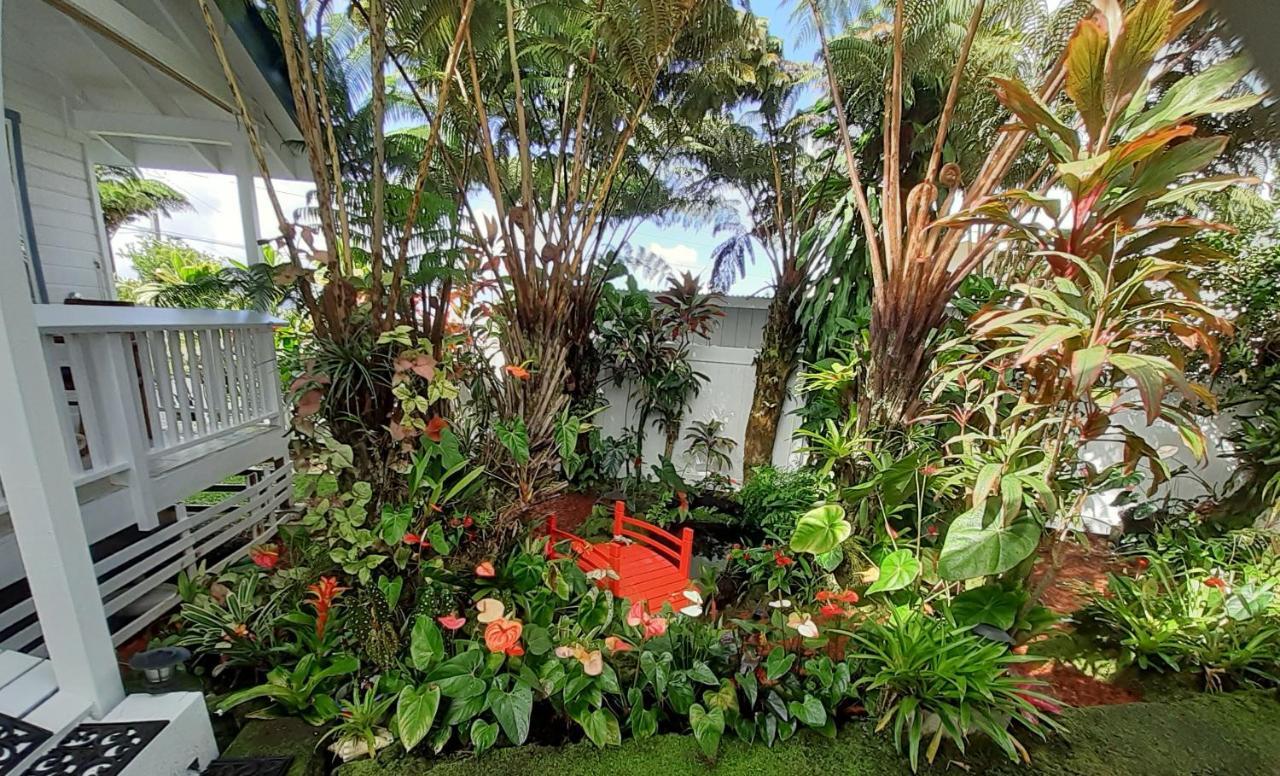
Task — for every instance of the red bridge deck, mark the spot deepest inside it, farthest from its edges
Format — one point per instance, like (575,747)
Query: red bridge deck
(651,564)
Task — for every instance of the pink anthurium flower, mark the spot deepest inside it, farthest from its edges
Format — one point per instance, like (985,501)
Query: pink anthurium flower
(452,621)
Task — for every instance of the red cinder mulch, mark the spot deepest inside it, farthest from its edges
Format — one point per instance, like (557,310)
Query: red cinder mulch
(1083,568)
(571,509)
(1073,686)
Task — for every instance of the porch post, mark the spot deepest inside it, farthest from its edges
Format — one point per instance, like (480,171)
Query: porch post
(37,483)
(248,202)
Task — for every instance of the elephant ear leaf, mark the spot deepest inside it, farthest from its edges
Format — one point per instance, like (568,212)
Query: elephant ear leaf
(821,530)
(975,550)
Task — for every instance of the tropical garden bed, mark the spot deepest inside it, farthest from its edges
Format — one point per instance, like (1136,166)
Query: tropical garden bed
(979,339)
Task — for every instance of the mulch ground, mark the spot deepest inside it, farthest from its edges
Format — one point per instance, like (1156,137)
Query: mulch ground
(571,509)
(1083,568)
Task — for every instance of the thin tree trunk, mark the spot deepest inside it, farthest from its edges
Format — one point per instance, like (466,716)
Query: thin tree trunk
(774,365)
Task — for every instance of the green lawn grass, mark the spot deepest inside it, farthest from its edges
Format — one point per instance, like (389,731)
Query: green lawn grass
(1210,735)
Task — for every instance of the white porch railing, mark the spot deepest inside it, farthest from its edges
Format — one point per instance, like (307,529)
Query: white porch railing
(154,406)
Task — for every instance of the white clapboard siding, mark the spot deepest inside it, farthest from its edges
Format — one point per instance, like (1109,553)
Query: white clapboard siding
(68,234)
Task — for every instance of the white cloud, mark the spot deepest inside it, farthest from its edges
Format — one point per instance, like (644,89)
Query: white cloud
(681,257)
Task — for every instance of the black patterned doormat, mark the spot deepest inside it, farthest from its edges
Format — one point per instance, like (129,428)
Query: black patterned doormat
(249,766)
(97,749)
(17,740)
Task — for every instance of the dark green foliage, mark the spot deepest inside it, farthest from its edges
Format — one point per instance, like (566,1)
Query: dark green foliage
(435,599)
(774,499)
(371,622)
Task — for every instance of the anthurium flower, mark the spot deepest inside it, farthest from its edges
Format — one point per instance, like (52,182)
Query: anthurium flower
(1217,582)
(436,427)
(694,608)
(781,603)
(830,610)
(500,634)
(592,662)
(486,570)
(516,371)
(564,652)
(265,556)
(515,650)
(615,644)
(452,621)
(655,626)
(636,614)
(803,624)
(490,610)
(782,560)
(414,539)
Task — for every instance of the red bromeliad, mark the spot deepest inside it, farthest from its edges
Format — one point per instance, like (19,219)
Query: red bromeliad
(323,594)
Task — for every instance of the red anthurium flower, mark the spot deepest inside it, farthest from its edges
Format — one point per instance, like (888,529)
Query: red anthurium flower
(420,541)
(516,371)
(1217,582)
(436,427)
(486,570)
(467,522)
(848,597)
(1143,563)
(502,634)
(322,595)
(831,610)
(265,556)
(825,595)
(782,560)
(932,531)
(452,621)
(515,650)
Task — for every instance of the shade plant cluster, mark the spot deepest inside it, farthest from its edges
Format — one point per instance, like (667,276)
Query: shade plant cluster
(984,336)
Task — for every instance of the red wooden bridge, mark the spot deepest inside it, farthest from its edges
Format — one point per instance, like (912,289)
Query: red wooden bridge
(650,564)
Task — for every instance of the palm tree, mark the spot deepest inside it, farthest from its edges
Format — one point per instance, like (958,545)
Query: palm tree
(126,195)
(759,168)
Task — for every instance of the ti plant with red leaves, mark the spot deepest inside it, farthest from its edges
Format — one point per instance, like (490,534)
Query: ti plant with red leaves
(1104,333)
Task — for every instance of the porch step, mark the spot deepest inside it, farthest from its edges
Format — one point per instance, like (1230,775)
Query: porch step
(34,715)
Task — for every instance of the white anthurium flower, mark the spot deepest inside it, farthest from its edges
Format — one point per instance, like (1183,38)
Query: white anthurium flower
(803,624)
(694,609)
(781,603)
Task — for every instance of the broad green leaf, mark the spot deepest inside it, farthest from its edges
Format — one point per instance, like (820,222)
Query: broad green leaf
(1196,95)
(415,712)
(974,550)
(602,728)
(897,570)
(483,735)
(1150,374)
(988,477)
(513,709)
(708,727)
(778,663)
(820,530)
(394,523)
(1086,67)
(1086,366)
(1145,30)
(514,436)
(989,604)
(811,712)
(1033,113)
(426,643)
(435,535)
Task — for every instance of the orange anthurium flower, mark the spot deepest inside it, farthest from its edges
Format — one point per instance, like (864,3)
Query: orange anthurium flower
(485,570)
(615,644)
(516,371)
(436,427)
(500,635)
(515,650)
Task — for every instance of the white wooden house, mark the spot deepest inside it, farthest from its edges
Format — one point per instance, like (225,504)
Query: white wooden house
(113,417)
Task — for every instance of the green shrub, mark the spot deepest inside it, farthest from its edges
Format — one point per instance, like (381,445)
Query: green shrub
(930,680)
(775,498)
(1224,623)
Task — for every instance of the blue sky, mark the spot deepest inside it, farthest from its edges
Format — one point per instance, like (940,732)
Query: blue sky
(690,248)
(215,225)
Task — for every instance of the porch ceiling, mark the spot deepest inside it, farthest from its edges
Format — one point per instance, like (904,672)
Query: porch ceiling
(140,80)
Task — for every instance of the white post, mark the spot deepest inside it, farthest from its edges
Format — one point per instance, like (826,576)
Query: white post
(248,203)
(42,501)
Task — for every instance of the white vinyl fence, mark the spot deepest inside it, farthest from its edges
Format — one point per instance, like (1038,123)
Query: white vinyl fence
(728,360)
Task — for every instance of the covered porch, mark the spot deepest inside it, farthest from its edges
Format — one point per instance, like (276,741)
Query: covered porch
(138,442)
